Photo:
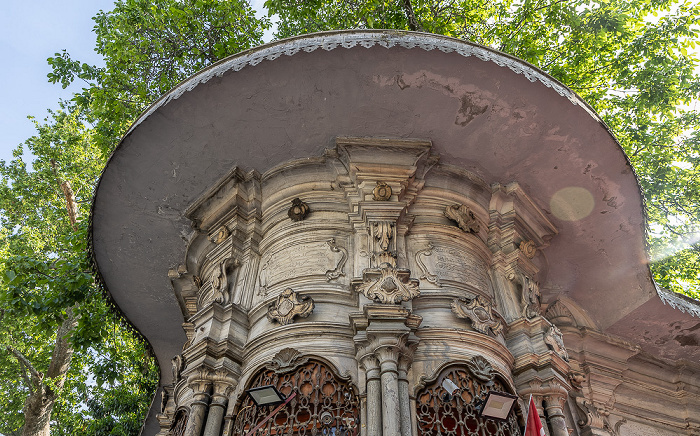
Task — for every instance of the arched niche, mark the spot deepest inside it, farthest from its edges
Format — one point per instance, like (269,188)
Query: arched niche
(439,413)
(325,403)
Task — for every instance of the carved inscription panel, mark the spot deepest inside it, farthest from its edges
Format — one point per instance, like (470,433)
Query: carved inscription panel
(440,263)
(319,258)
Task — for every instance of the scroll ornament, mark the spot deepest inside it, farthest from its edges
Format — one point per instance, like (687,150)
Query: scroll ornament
(480,312)
(530,297)
(464,217)
(219,281)
(289,305)
(388,285)
(554,339)
(336,272)
(528,248)
(426,275)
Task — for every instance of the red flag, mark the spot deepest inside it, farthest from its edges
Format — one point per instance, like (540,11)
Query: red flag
(533,426)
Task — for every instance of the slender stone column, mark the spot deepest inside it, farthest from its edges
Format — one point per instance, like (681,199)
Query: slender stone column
(216,410)
(404,397)
(391,409)
(374,396)
(557,422)
(198,409)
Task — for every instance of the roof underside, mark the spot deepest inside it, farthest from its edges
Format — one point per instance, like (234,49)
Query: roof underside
(484,111)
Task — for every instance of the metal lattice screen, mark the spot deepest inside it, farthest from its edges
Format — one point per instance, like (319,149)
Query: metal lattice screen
(442,415)
(324,405)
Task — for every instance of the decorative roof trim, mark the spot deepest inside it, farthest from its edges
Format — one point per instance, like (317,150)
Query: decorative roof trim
(679,302)
(349,39)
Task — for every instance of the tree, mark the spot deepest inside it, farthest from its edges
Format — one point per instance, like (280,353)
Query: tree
(67,364)
(629,60)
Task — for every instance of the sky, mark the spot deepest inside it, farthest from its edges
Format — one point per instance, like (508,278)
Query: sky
(31,32)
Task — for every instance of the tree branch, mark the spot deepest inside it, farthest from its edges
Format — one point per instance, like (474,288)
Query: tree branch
(37,377)
(412,22)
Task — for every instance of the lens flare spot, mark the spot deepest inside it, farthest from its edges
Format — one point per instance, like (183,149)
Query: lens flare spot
(572,203)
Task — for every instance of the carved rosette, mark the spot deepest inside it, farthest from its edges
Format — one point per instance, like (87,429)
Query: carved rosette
(480,312)
(463,217)
(528,248)
(289,305)
(381,192)
(553,338)
(388,285)
(298,210)
(481,369)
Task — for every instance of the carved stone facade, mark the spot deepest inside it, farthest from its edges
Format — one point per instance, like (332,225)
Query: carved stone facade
(368,273)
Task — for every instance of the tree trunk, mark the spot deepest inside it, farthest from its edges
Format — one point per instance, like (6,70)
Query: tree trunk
(39,404)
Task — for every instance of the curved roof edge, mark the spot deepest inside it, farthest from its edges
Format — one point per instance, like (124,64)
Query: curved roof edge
(365,38)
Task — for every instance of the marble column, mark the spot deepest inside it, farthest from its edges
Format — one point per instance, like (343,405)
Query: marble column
(557,421)
(404,397)
(391,409)
(374,396)
(198,408)
(216,410)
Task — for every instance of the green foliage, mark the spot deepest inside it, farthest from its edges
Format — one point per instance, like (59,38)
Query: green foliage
(148,47)
(632,61)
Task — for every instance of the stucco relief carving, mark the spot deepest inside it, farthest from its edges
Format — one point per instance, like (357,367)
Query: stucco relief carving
(287,359)
(464,217)
(219,281)
(388,285)
(298,211)
(336,272)
(425,274)
(554,339)
(381,192)
(558,313)
(480,312)
(220,235)
(597,417)
(289,305)
(481,369)
(323,259)
(177,363)
(530,294)
(383,234)
(528,248)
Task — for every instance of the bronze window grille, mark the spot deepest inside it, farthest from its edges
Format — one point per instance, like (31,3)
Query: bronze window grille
(179,423)
(324,405)
(441,414)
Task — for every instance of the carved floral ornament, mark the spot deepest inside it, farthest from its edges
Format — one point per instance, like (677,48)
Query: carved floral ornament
(289,305)
(530,294)
(528,248)
(388,284)
(220,235)
(481,369)
(298,210)
(480,312)
(463,217)
(381,192)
